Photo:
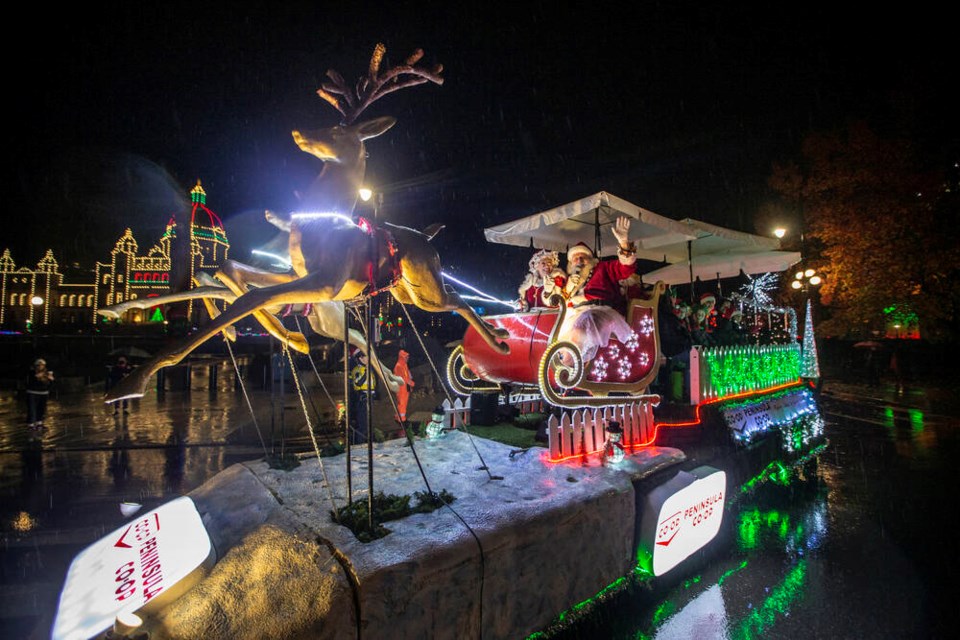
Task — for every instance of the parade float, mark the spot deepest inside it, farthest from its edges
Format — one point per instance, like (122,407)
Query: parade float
(631,487)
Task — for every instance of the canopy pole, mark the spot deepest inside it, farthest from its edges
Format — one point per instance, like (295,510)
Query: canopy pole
(693,294)
(596,231)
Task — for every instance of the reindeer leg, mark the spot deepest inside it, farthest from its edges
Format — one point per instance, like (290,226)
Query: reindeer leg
(238,277)
(295,292)
(115,311)
(429,294)
(327,321)
(202,279)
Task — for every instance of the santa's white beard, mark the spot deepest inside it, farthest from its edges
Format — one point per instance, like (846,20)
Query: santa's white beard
(574,270)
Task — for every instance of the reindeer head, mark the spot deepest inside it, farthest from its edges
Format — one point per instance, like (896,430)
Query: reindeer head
(342,144)
(341,147)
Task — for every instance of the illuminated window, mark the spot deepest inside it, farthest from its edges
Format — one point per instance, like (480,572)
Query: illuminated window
(73,300)
(63,299)
(106,278)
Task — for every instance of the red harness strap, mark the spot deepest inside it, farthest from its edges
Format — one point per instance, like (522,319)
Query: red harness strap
(381,277)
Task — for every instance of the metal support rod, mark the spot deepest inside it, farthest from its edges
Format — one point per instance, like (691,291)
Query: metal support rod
(369,380)
(346,399)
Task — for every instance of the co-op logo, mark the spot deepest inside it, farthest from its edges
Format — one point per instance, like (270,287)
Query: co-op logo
(694,515)
(128,584)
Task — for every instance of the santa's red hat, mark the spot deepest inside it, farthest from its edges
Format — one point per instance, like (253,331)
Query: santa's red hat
(578,249)
(707,296)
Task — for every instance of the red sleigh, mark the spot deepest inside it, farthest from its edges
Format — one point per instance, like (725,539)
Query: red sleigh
(619,373)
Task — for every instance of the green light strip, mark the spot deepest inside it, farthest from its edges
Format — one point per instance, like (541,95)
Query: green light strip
(730,371)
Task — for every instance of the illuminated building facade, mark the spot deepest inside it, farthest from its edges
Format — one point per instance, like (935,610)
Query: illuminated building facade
(37,297)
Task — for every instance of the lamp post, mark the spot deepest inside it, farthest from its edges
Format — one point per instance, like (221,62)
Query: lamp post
(366,194)
(35,303)
(803,280)
(809,360)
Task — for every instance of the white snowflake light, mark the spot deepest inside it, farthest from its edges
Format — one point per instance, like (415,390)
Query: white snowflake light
(632,342)
(599,370)
(758,290)
(646,325)
(623,368)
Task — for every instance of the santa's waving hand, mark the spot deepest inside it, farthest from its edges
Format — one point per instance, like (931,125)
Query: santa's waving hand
(621,231)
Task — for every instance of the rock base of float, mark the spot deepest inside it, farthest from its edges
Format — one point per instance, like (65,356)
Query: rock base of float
(509,554)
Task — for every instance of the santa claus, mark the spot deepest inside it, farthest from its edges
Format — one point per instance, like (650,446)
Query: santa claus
(594,294)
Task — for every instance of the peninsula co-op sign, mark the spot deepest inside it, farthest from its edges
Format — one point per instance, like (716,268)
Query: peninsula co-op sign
(127,569)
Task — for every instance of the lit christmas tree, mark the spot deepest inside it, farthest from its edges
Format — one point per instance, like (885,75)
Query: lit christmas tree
(809,363)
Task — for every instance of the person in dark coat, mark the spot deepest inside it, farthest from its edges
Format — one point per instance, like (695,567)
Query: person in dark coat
(118,372)
(38,391)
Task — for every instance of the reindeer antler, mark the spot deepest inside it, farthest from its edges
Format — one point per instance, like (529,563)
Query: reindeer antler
(373,86)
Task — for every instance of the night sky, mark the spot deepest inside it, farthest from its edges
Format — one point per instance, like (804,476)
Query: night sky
(115,111)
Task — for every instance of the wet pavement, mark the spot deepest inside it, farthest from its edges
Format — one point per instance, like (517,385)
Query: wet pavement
(61,487)
(864,551)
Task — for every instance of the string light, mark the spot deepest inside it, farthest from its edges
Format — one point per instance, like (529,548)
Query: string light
(486,296)
(809,362)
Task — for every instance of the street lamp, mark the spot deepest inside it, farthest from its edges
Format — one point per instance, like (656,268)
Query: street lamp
(803,279)
(366,193)
(779,232)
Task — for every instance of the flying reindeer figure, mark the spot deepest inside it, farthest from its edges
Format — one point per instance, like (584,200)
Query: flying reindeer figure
(325,318)
(334,259)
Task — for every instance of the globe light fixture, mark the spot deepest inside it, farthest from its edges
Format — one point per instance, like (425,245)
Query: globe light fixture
(36,301)
(779,232)
(365,194)
(805,278)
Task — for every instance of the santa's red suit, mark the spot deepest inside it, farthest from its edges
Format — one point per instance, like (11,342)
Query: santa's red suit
(596,302)
(604,283)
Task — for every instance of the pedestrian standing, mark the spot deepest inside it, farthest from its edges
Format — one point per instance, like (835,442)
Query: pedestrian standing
(402,371)
(38,390)
(118,372)
(362,385)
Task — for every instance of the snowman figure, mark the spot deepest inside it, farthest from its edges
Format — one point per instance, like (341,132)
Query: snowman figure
(612,448)
(435,427)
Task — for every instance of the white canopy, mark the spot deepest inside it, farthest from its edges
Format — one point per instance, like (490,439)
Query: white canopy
(562,227)
(727,265)
(658,238)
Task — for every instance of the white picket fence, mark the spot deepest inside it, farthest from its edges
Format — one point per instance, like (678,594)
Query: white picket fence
(582,432)
(576,433)
(457,413)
